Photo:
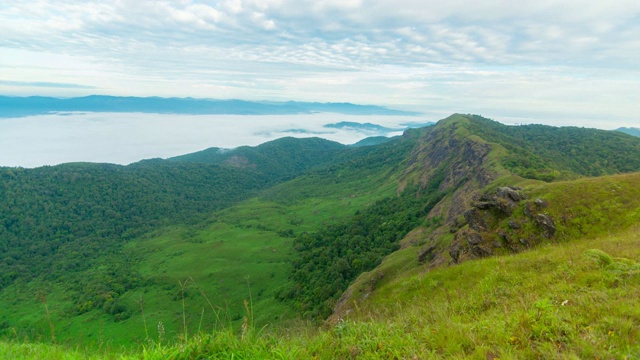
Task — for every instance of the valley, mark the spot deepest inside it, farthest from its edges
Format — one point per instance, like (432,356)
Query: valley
(417,247)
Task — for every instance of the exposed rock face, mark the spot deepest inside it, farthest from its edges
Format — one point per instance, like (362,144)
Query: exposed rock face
(469,244)
(512,193)
(540,204)
(505,200)
(449,163)
(427,254)
(448,160)
(486,229)
(475,219)
(546,223)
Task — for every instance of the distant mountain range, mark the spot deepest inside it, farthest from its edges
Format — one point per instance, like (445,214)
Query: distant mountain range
(630,131)
(369,129)
(363,127)
(37,105)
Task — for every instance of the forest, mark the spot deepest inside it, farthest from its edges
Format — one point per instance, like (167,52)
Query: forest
(335,212)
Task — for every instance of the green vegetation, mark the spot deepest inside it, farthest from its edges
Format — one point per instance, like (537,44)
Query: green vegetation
(570,300)
(279,159)
(331,258)
(239,253)
(95,284)
(552,153)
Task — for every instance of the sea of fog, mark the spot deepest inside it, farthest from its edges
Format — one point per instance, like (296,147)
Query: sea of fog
(123,138)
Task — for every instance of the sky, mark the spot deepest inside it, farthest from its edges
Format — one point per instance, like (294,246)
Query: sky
(557,62)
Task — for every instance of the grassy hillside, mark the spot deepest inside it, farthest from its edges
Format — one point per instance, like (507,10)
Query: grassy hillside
(571,300)
(585,209)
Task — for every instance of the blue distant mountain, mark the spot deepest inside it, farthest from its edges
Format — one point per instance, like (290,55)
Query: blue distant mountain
(38,105)
(374,129)
(630,131)
(362,127)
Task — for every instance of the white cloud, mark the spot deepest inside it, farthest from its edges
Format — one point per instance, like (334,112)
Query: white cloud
(495,53)
(123,138)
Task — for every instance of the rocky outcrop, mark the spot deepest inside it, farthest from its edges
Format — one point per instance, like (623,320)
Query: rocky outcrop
(469,244)
(461,165)
(546,223)
(478,240)
(487,231)
(426,254)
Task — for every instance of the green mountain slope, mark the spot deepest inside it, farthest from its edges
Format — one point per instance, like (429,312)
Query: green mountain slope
(551,153)
(455,163)
(278,159)
(108,253)
(471,160)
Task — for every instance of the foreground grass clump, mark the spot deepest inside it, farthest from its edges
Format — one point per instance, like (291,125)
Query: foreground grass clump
(17,350)
(564,301)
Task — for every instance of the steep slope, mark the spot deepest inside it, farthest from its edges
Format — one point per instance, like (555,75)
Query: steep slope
(491,209)
(454,167)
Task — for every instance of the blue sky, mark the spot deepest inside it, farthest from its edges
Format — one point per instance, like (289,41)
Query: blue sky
(561,62)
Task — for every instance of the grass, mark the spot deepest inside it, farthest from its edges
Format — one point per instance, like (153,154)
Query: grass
(560,301)
(593,206)
(243,249)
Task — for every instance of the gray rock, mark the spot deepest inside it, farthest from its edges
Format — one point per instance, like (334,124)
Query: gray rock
(509,193)
(546,223)
(454,251)
(528,210)
(540,204)
(514,225)
(475,220)
(426,254)
(473,238)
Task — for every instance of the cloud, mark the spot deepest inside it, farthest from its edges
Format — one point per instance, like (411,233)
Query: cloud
(45,84)
(414,52)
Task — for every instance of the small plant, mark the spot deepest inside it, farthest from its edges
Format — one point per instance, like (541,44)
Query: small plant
(43,299)
(183,286)
(160,332)
(144,320)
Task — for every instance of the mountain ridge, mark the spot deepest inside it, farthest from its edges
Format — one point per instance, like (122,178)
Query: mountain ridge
(40,105)
(629,130)
(482,195)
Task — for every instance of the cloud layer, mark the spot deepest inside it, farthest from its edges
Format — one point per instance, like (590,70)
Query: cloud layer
(123,138)
(565,59)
